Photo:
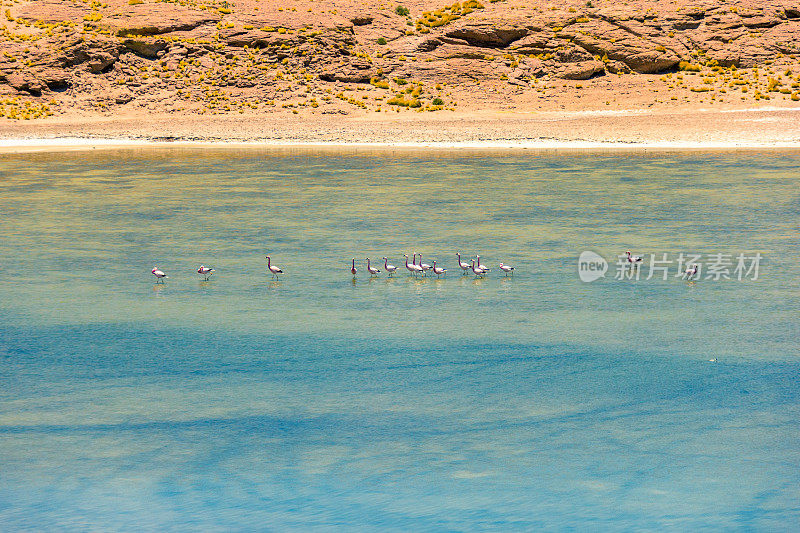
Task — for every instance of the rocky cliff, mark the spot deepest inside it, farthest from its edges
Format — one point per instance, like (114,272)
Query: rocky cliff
(341,56)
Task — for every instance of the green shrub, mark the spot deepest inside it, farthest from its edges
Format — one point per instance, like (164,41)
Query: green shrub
(402,11)
(381,40)
(438,101)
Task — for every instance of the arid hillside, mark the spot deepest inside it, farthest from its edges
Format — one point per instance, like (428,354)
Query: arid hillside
(134,57)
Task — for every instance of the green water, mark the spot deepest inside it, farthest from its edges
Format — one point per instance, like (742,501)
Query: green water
(319,401)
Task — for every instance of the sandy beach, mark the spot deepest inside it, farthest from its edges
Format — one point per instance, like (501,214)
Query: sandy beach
(698,128)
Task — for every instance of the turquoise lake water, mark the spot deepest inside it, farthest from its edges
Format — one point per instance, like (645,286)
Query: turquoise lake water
(319,402)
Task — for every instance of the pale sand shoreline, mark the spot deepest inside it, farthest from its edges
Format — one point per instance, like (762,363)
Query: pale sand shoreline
(728,129)
(33,145)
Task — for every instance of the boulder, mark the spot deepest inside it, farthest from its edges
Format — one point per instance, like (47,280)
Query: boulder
(582,70)
(617,67)
(495,33)
(100,62)
(25,82)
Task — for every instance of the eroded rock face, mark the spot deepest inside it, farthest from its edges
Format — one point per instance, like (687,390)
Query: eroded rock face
(149,48)
(582,70)
(491,34)
(155,19)
(24,82)
(120,53)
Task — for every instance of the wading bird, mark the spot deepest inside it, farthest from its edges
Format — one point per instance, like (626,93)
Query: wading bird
(424,266)
(413,268)
(479,272)
(371,269)
(438,270)
(158,274)
(205,271)
(507,269)
(389,268)
(353,268)
(272,268)
(691,272)
(633,259)
(461,264)
(483,267)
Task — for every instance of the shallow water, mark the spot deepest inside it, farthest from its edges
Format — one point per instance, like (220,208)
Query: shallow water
(318,402)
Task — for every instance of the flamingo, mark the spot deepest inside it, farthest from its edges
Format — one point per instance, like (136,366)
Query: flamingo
(158,274)
(633,259)
(425,266)
(272,268)
(477,270)
(483,267)
(691,272)
(205,271)
(464,266)
(438,270)
(413,268)
(353,268)
(371,269)
(389,268)
(507,269)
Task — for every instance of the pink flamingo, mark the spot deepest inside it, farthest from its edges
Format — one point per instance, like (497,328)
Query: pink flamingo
(507,269)
(477,270)
(482,267)
(633,259)
(464,266)
(371,269)
(389,268)
(438,270)
(424,266)
(353,268)
(272,268)
(413,268)
(205,271)
(158,274)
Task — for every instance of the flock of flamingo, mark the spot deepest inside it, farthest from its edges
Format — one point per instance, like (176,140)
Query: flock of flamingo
(475,266)
(414,268)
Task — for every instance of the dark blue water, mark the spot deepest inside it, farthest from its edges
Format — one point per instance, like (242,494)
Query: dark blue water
(317,402)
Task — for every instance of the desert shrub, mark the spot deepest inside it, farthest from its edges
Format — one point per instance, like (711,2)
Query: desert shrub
(381,40)
(689,67)
(438,101)
(773,85)
(402,11)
